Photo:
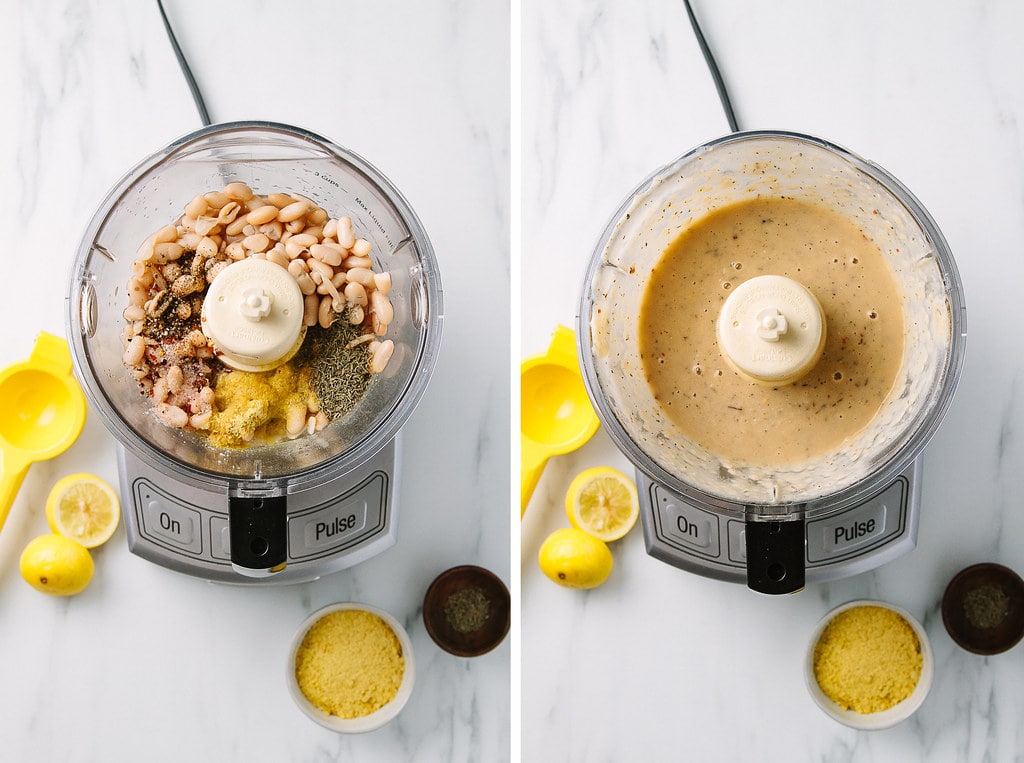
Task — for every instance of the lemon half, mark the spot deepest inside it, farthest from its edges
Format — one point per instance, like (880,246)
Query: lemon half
(603,502)
(56,565)
(575,559)
(84,508)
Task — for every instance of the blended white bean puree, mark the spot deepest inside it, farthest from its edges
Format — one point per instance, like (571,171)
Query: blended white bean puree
(741,420)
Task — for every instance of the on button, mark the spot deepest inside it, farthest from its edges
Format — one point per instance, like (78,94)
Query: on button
(173,524)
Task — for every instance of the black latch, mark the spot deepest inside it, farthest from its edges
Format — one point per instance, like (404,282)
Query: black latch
(775,555)
(259,534)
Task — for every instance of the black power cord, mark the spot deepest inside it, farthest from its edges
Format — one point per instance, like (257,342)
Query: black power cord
(716,75)
(197,96)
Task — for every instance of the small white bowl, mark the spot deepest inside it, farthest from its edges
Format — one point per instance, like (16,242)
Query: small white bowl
(885,718)
(367,722)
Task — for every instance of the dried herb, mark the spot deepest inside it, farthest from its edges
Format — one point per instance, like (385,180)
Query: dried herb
(467,609)
(340,373)
(986,606)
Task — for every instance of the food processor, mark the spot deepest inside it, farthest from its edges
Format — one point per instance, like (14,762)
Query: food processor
(289,511)
(829,515)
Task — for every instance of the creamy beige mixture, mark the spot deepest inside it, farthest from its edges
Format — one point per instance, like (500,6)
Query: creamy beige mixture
(741,420)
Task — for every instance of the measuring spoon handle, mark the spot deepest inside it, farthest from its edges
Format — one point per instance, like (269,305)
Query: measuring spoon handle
(13,468)
(534,461)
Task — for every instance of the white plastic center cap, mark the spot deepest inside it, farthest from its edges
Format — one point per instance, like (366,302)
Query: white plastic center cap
(252,314)
(772,329)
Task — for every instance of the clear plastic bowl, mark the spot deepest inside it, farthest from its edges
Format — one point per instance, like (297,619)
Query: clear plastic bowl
(268,157)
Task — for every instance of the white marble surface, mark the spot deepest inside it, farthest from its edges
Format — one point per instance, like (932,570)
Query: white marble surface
(150,664)
(658,664)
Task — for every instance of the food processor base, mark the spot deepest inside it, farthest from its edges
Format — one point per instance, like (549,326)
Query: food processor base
(183,525)
(837,545)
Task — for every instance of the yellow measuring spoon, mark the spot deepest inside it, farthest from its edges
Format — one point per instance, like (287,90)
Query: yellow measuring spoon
(556,415)
(42,411)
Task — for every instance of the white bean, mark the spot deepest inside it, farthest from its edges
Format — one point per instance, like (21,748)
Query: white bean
(206,247)
(383,282)
(190,240)
(326,254)
(278,258)
(160,390)
(355,293)
(134,313)
(206,225)
(229,213)
(296,419)
(257,242)
(306,284)
(137,293)
(238,191)
(206,397)
(271,230)
(135,351)
(357,262)
(310,309)
(171,415)
(167,252)
(293,248)
(325,271)
(236,226)
(297,268)
(361,276)
(196,207)
(262,215)
(380,355)
(175,379)
(293,211)
(382,307)
(325,314)
(362,247)
(166,235)
(345,235)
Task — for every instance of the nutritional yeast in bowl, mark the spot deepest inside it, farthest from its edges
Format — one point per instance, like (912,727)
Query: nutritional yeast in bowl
(350,663)
(868,659)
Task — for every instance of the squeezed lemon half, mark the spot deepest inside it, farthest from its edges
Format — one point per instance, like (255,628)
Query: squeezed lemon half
(84,508)
(603,502)
(575,559)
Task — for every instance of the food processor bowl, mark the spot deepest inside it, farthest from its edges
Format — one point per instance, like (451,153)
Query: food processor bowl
(268,157)
(769,164)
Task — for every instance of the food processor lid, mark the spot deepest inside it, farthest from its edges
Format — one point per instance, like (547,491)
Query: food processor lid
(771,329)
(252,314)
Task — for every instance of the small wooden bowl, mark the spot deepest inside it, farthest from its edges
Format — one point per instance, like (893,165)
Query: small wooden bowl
(993,639)
(494,628)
